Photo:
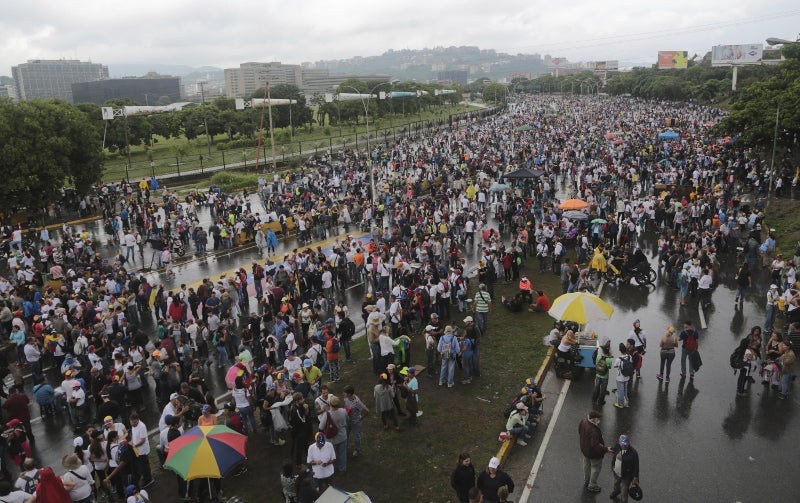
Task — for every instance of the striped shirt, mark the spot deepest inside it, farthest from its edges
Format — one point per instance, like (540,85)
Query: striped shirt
(482,300)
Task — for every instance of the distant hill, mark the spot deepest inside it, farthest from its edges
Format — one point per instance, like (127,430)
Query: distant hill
(139,69)
(424,64)
(6,80)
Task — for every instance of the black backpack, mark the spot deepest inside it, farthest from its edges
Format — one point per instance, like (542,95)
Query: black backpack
(737,358)
(627,367)
(30,482)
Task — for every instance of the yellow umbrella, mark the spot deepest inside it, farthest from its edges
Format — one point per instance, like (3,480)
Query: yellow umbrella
(580,307)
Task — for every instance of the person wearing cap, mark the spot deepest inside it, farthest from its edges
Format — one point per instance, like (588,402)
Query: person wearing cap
(688,338)
(449,349)
(78,479)
(593,448)
(338,415)
(321,457)
(625,468)
(384,404)
(639,339)
(312,375)
(667,344)
(136,495)
(525,289)
(173,408)
(78,402)
(518,425)
(491,480)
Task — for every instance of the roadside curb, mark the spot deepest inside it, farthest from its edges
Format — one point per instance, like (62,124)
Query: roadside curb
(505,448)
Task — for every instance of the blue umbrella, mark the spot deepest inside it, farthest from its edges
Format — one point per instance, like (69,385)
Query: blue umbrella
(668,135)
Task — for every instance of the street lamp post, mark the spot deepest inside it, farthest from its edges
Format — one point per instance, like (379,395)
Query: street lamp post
(366,118)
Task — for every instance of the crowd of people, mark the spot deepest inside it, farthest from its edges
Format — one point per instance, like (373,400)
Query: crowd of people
(284,327)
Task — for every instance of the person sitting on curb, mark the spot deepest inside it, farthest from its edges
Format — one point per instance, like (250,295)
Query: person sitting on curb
(518,425)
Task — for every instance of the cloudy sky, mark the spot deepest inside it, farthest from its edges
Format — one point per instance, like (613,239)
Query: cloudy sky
(225,33)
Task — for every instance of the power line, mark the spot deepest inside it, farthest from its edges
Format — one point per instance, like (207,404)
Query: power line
(633,37)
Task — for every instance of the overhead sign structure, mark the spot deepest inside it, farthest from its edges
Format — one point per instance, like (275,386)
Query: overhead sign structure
(261,102)
(673,59)
(733,55)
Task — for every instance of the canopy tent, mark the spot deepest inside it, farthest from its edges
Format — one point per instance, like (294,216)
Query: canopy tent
(524,173)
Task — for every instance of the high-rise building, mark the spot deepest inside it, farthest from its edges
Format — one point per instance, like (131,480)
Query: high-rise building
(41,78)
(453,77)
(242,82)
(8,92)
(147,90)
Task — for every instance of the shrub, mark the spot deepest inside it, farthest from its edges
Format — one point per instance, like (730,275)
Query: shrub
(230,181)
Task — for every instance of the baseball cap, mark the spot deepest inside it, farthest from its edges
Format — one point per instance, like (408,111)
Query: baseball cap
(206,409)
(108,419)
(494,463)
(307,363)
(296,375)
(468,319)
(76,384)
(521,406)
(330,320)
(624,440)
(77,442)
(173,396)
(429,328)
(130,490)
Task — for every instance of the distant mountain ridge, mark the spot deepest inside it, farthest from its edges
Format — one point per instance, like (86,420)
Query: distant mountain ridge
(138,69)
(424,64)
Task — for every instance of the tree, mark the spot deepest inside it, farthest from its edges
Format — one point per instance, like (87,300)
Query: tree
(495,92)
(47,145)
(755,108)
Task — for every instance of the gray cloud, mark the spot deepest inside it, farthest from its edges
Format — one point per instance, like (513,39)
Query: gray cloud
(205,32)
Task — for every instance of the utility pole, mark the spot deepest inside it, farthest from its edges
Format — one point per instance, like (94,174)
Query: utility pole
(271,136)
(205,116)
(774,145)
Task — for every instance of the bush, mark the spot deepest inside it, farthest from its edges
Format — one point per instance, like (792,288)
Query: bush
(230,181)
(235,144)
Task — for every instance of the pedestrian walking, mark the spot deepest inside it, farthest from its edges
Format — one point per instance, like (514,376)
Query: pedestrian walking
(688,338)
(448,348)
(639,345)
(668,343)
(625,468)
(356,411)
(593,448)
(625,370)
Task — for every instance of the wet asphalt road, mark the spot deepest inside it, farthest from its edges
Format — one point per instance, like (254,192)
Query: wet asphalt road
(697,440)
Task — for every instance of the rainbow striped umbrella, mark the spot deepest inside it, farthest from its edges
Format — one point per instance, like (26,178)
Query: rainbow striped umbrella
(206,452)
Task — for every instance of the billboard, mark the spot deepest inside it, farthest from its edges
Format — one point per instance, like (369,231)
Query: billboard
(726,55)
(606,65)
(673,59)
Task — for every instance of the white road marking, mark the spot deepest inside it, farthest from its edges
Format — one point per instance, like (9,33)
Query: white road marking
(526,493)
(702,316)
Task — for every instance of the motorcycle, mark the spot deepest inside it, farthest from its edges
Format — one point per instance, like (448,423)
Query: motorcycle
(642,273)
(176,247)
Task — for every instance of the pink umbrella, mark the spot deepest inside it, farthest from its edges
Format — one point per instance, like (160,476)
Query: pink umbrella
(233,373)
(619,142)
(609,136)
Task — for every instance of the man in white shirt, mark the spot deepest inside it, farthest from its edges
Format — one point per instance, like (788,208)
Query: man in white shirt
(78,401)
(622,379)
(142,443)
(321,457)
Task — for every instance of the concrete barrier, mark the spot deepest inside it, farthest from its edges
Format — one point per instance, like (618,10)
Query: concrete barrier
(505,447)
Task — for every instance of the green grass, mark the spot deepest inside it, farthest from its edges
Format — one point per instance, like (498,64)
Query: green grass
(782,215)
(179,154)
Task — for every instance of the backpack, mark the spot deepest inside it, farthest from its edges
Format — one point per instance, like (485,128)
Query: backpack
(601,365)
(447,347)
(335,345)
(737,358)
(30,482)
(627,367)
(331,430)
